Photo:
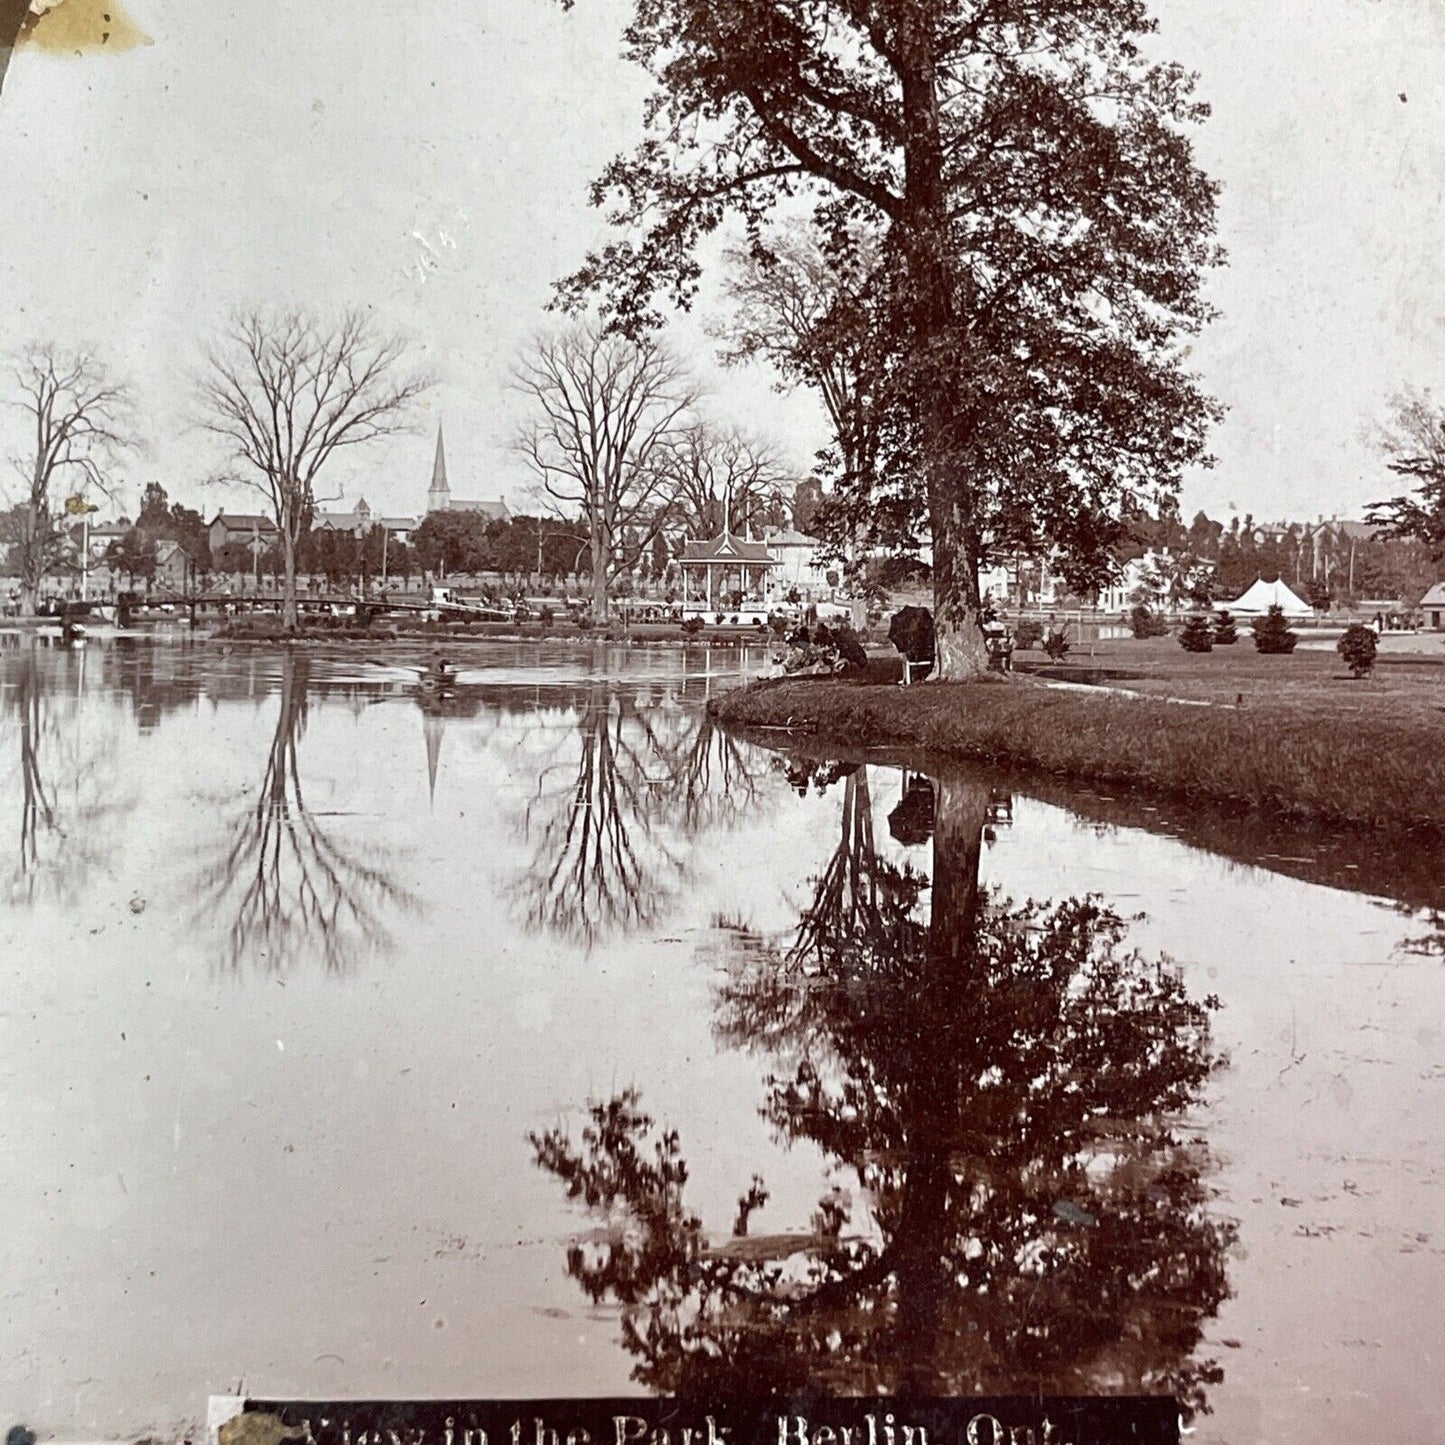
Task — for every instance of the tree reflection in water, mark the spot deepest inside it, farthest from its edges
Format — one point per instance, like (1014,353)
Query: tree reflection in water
(291,891)
(67,794)
(1002,1086)
(607,818)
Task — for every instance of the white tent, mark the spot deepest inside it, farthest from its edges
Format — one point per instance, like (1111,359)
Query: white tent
(1264,595)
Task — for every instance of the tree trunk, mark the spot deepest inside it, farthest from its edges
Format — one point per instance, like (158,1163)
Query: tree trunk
(599,572)
(937,363)
(32,561)
(960,654)
(288,595)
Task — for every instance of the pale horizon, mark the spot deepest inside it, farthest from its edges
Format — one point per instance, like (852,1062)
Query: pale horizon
(434,169)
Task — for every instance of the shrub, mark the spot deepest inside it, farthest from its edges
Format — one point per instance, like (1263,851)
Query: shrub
(692,625)
(583,621)
(1358,647)
(1272,633)
(1056,644)
(1029,634)
(1146,623)
(1197,635)
(545,618)
(1225,632)
(777,623)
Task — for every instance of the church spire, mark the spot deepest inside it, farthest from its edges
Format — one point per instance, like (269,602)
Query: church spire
(439,498)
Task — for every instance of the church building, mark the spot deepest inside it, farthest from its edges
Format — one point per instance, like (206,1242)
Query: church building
(439,496)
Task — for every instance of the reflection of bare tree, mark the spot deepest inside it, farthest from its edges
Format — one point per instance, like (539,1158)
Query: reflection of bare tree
(613,802)
(65,801)
(712,779)
(601,862)
(289,888)
(1001,1084)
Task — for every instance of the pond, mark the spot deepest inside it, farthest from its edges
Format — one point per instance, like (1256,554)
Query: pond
(536,1037)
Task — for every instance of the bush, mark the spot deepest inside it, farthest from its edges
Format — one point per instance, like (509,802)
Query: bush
(1272,633)
(583,621)
(1358,647)
(1225,632)
(777,623)
(1197,635)
(545,618)
(692,625)
(1146,623)
(1028,635)
(1056,644)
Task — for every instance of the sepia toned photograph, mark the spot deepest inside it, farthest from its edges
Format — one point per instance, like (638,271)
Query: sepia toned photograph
(721,722)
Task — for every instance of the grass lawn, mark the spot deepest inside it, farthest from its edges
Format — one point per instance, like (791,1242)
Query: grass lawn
(1310,680)
(1292,735)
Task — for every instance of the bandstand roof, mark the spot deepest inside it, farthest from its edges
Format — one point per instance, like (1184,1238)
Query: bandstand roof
(726,550)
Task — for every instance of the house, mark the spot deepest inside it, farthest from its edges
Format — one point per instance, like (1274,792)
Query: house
(247,528)
(399,529)
(361,519)
(173,566)
(357,521)
(1432,604)
(797,566)
(439,496)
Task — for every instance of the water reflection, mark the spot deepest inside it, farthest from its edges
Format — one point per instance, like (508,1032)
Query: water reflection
(997,1088)
(617,798)
(67,790)
(289,887)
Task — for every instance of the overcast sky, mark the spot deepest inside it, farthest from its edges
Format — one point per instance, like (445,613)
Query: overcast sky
(432,164)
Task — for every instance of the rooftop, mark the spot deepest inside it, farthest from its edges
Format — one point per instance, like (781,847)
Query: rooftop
(727,548)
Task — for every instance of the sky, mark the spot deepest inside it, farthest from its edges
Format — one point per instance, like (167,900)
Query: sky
(432,165)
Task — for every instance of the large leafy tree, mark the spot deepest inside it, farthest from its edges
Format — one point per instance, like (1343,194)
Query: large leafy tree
(1043,231)
(451,542)
(1001,1084)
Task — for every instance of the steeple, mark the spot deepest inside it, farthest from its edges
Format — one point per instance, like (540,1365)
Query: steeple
(439,497)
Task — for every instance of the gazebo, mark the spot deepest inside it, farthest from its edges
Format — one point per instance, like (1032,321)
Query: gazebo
(713,571)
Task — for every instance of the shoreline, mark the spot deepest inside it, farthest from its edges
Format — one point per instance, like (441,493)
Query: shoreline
(1275,757)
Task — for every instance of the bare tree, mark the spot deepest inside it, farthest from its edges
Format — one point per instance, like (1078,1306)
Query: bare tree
(1413,445)
(603,410)
(286,391)
(806,311)
(721,477)
(83,424)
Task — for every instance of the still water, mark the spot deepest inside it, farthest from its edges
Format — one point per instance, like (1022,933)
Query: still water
(539,1038)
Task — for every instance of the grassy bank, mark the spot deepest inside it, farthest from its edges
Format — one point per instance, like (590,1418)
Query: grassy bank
(1294,741)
